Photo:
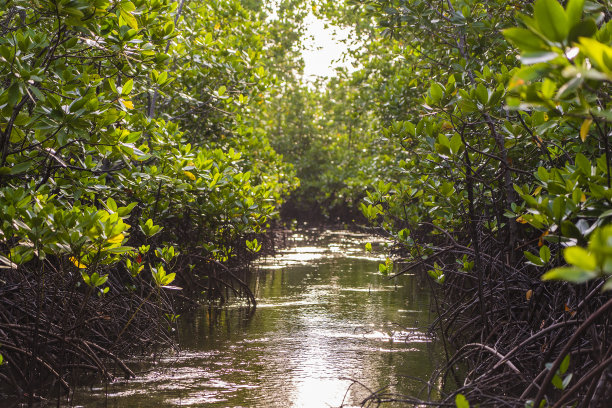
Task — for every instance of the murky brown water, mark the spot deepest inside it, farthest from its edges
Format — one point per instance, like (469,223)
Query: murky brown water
(325,317)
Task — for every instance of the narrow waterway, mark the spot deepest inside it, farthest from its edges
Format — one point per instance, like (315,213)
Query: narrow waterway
(325,318)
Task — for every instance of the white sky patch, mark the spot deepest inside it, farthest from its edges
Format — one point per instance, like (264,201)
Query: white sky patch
(324,48)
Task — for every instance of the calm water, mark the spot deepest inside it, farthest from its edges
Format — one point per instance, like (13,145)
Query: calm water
(325,317)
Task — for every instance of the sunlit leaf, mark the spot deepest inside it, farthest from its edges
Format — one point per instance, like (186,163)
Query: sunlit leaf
(127,104)
(117,239)
(77,263)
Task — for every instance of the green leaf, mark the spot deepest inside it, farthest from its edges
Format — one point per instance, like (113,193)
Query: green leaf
(586,28)
(461,401)
(214,181)
(545,253)
(482,94)
(112,85)
(599,54)
(551,19)
(569,274)
(124,211)
(14,94)
(528,74)
(557,382)
(120,250)
(436,92)
(127,87)
(568,229)
(564,364)
(574,11)
(580,257)
(78,104)
(534,259)
(21,167)
(559,207)
(524,39)
(456,145)
(382,268)
(111,204)
(583,164)
(125,10)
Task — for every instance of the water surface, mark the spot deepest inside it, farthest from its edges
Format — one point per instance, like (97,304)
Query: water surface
(325,318)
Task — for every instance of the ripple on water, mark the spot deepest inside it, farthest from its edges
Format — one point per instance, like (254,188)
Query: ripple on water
(324,315)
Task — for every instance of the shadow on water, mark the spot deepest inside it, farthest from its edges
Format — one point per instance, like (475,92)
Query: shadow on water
(325,317)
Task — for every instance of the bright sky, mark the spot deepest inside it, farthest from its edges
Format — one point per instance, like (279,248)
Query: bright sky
(324,48)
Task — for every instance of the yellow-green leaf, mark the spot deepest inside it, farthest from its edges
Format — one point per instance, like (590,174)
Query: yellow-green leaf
(580,257)
(569,274)
(125,10)
(127,104)
(117,239)
(584,129)
(77,263)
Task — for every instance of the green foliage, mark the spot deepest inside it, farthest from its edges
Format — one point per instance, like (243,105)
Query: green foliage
(253,246)
(437,273)
(571,200)
(461,129)
(386,268)
(561,381)
(113,115)
(126,126)
(160,277)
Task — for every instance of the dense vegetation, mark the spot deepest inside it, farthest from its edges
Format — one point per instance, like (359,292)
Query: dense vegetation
(489,171)
(131,164)
(144,145)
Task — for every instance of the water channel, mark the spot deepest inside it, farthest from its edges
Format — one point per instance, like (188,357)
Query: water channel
(325,317)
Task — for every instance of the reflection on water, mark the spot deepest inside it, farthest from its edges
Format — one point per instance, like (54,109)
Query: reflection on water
(325,317)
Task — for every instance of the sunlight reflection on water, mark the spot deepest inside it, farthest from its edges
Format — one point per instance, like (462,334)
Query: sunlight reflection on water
(324,315)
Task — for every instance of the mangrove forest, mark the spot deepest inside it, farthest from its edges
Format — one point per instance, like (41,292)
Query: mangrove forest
(190,217)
